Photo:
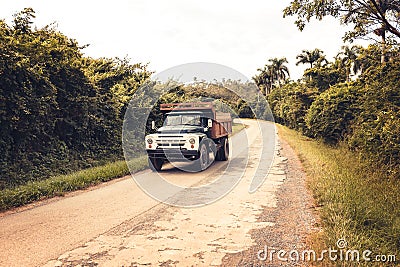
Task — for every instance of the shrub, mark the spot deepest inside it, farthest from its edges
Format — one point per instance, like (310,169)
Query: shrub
(324,77)
(332,112)
(375,132)
(290,103)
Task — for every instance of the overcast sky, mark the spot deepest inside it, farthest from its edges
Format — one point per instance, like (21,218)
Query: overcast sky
(242,35)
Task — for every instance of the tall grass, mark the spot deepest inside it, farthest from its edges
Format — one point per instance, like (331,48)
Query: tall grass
(58,185)
(359,201)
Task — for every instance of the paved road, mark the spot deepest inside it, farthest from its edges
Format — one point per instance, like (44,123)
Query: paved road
(120,225)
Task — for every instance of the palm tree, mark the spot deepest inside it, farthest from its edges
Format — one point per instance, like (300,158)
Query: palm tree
(279,69)
(349,59)
(264,80)
(310,57)
(321,62)
(276,72)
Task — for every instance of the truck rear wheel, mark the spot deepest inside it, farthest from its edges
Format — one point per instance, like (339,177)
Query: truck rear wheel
(223,151)
(155,164)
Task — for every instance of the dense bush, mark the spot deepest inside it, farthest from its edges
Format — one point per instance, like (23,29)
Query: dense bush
(332,112)
(59,111)
(363,114)
(289,105)
(376,129)
(324,77)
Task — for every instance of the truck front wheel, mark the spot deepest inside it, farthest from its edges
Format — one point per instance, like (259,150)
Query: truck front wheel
(203,157)
(155,164)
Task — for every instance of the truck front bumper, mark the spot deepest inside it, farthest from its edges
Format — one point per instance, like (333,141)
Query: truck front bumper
(173,154)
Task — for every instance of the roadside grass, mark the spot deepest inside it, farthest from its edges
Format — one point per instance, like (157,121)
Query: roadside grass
(58,185)
(237,127)
(358,202)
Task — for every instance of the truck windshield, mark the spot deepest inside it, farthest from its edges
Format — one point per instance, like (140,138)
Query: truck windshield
(185,119)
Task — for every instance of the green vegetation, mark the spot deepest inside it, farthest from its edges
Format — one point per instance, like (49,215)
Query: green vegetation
(237,127)
(59,111)
(271,75)
(347,116)
(58,185)
(367,17)
(348,137)
(357,200)
(363,114)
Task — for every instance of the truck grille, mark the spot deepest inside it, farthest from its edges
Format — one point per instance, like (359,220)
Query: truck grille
(170,142)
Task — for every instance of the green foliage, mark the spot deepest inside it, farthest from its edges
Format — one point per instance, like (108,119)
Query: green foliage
(364,15)
(290,103)
(376,130)
(324,77)
(272,75)
(332,112)
(378,138)
(363,114)
(349,60)
(315,56)
(59,111)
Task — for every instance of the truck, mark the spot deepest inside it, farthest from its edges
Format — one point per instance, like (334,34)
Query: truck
(192,132)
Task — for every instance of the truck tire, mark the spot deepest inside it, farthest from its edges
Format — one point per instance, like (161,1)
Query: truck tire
(223,151)
(155,164)
(203,161)
(212,148)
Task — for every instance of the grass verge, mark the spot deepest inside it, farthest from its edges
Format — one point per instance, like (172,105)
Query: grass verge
(237,127)
(58,185)
(358,202)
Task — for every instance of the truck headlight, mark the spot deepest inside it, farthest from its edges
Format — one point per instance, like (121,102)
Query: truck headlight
(192,140)
(149,141)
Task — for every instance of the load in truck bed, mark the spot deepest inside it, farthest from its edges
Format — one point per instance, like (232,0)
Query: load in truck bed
(221,122)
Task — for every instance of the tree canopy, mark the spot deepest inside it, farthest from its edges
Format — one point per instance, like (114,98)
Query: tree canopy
(310,57)
(271,74)
(367,17)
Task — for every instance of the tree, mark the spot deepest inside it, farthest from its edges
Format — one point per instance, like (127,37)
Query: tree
(311,57)
(279,69)
(368,17)
(23,20)
(264,80)
(270,74)
(349,59)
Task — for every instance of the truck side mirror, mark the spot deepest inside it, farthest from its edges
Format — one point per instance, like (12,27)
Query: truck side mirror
(153,125)
(209,123)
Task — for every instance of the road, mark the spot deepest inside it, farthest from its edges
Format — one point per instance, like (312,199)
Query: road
(120,225)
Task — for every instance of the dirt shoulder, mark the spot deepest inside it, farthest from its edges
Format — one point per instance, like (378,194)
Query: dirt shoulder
(294,219)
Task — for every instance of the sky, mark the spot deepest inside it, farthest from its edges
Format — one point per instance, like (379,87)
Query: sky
(242,35)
